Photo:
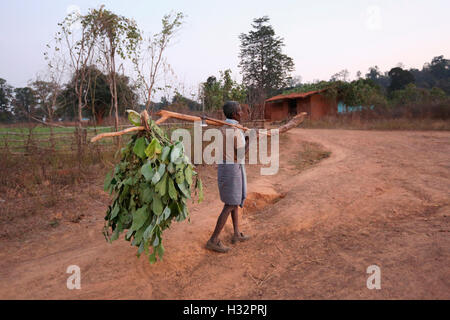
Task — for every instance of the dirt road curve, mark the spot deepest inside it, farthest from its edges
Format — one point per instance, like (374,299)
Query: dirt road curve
(382,198)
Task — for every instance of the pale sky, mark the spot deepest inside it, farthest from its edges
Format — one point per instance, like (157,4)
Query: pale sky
(323,37)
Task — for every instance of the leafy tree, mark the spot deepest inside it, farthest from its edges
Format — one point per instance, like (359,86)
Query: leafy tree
(440,68)
(98,96)
(215,92)
(6,94)
(361,92)
(212,96)
(180,101)
(263,65)
(411,94)
(399,78)
(25,104)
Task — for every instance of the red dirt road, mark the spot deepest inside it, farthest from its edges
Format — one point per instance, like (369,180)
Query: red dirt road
(381,198)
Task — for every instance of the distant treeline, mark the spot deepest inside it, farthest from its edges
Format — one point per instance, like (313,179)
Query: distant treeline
(397,93)
(38,100)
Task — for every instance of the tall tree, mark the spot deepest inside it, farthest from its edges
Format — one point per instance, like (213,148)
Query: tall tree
(263,65)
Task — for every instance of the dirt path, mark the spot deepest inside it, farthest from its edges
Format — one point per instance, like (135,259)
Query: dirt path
(381,198)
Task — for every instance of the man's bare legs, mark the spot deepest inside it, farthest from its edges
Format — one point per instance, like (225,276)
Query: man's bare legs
(223,219)
(234,217)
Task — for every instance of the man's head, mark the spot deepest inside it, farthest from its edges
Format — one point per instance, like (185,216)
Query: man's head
(232,110)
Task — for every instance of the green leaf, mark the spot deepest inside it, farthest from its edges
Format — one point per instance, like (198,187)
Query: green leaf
(176,152)
(114,212)
(172,190)
(156,241)
(138,235)
(125,218)
(157,205)
(152,258)
(132,205)
(115,235)
(200,190)
(129,234)
(148,233)
(147,171)
(139,147)
(188,174)
(159,174)
(165,153)
(153,149)
(160,250)
(107,182)
(166,213)
(134,117)
(156,177)
(183,189)
(139,218)
(129,181)
(161,186)
(145,194)
(141,248)
(181,212)
(179,176)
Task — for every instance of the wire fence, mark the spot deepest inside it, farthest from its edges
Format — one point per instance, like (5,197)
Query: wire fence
(38,139)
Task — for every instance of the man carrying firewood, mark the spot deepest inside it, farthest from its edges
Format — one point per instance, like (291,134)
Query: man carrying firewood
(231,178)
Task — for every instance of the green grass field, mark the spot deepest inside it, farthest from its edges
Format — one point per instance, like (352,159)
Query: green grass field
(16,139)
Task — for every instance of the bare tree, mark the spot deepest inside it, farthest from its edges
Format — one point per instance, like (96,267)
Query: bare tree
(342,75)
(118,38)
(149,58)
(76,38)
(48,85)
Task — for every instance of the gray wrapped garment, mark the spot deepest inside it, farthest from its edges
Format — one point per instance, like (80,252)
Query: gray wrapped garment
(232,181)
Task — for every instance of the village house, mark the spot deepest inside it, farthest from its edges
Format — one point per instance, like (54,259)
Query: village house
(285,106)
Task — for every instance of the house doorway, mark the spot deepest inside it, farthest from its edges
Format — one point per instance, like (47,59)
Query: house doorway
(292,107)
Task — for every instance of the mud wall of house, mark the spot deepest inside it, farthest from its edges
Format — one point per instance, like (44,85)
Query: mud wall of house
(321,106)
(304,105)
(276,111)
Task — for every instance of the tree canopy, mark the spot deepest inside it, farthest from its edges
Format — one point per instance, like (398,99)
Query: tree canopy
(214,92)
(263,65)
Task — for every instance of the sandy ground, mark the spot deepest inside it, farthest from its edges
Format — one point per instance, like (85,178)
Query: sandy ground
(381,198)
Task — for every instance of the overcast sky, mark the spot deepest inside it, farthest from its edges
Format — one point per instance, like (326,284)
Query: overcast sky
(323,37)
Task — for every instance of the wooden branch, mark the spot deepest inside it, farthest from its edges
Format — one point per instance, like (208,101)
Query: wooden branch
(116,134)
(211,121)
(295,121)
(165,115)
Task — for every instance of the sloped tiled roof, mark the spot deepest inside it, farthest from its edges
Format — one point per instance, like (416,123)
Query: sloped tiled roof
(293,95)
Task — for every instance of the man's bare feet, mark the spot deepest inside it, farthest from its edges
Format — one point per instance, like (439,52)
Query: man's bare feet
(239,237)
(218,247)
